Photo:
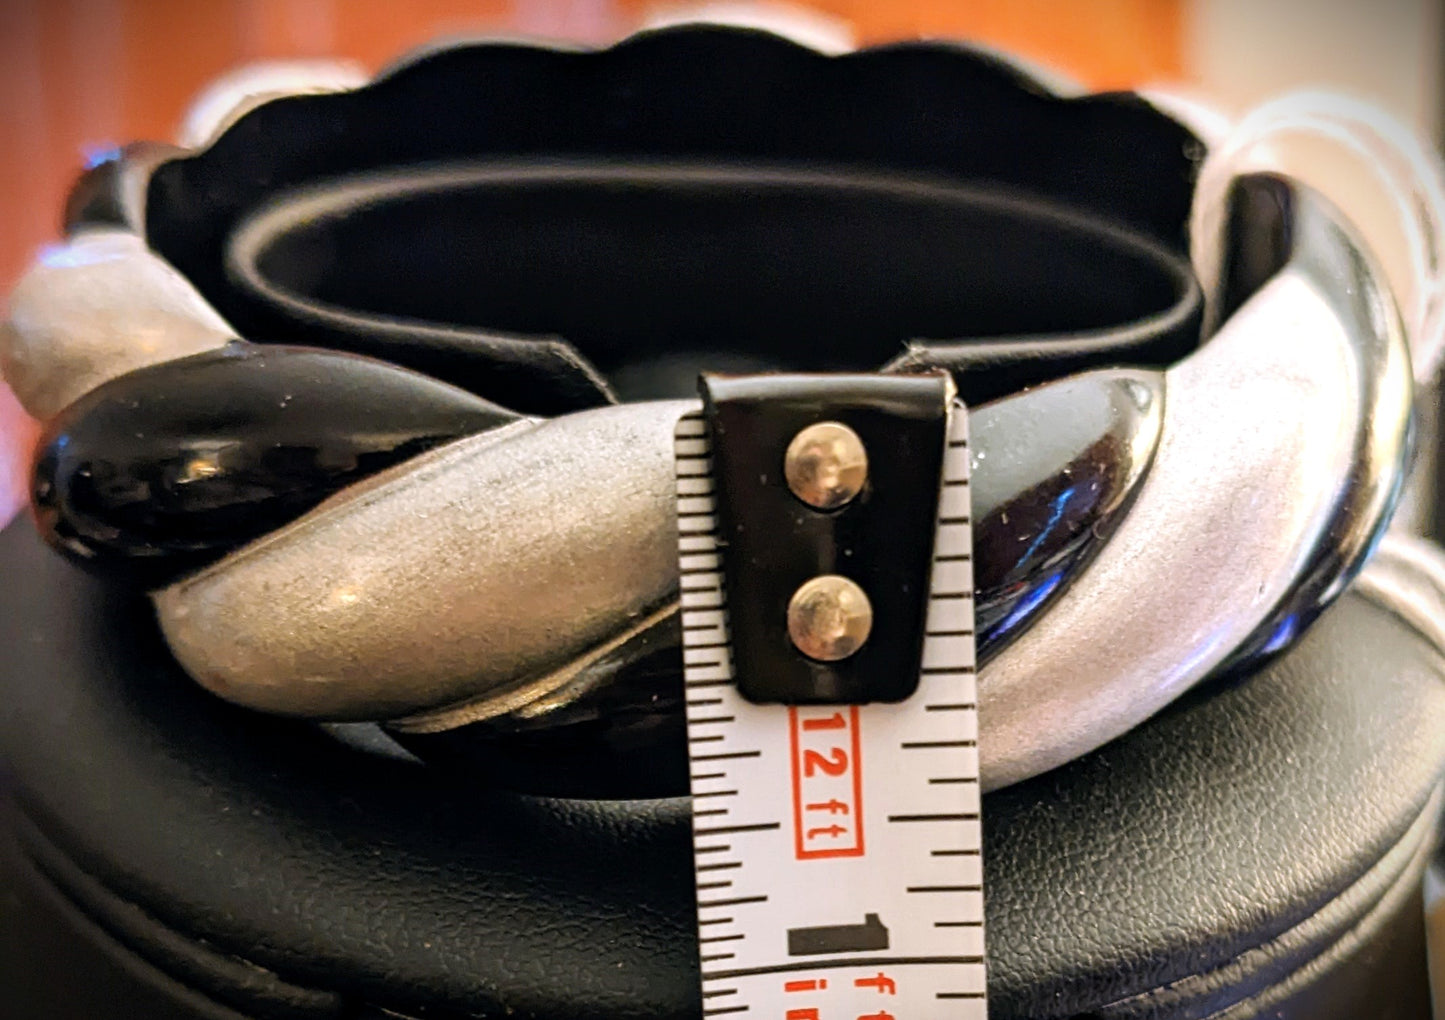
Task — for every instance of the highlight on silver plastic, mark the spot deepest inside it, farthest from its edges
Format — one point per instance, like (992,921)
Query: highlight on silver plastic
(97,306)
(1390,185)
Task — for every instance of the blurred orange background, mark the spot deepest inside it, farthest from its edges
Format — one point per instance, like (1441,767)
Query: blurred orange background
(77,76)
(81,75)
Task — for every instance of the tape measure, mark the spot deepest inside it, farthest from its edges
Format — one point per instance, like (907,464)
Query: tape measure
(837,847)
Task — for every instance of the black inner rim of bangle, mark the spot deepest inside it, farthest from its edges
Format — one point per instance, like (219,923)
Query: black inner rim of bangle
(655,270)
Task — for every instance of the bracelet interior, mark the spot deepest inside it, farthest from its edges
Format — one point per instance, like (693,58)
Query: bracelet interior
(654,272)
(453,218)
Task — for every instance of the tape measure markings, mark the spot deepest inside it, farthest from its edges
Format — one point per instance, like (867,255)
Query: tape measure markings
(781,791)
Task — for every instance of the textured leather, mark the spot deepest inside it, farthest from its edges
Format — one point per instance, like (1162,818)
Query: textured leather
(50,931)
(279,871)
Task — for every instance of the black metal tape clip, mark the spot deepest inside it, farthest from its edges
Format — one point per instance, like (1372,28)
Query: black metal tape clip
(827,497)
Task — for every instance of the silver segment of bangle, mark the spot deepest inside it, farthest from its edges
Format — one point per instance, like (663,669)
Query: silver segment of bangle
(93,308)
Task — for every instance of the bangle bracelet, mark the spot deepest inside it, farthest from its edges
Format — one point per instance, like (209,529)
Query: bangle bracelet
(368,391)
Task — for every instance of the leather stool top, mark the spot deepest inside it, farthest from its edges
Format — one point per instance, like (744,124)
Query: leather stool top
(1198,861)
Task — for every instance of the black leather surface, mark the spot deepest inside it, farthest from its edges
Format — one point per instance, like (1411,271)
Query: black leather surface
(1238,836)
(58,962)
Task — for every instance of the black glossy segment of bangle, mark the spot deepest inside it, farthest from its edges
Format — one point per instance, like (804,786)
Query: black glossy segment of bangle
(167,468)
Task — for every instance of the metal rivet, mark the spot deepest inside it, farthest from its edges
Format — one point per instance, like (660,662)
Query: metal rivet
(829,618)
(826,465)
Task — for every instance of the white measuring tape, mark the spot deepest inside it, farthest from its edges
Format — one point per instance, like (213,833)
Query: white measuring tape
(837,847)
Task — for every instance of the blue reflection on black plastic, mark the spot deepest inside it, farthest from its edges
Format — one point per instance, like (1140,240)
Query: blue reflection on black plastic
(992,635)
(1061,503)
(1283,635)
(100,155)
